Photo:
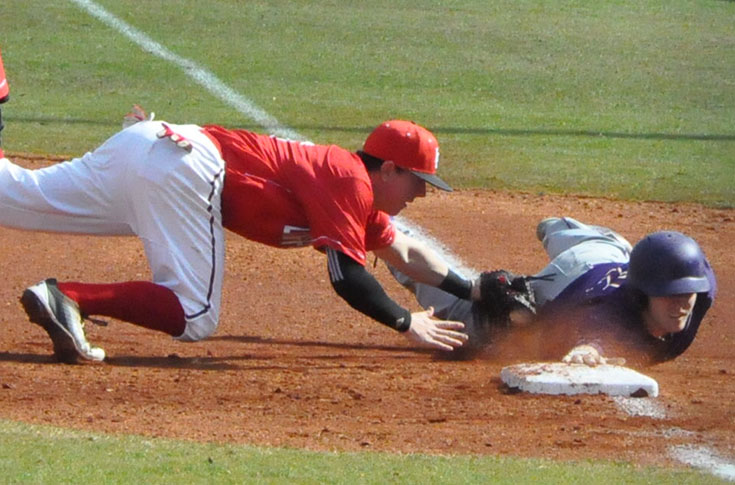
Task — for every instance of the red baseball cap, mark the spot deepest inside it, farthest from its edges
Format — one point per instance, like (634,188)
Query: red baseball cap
(409,146)
(4,87)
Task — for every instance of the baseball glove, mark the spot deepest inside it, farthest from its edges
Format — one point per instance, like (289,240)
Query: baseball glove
(502,293)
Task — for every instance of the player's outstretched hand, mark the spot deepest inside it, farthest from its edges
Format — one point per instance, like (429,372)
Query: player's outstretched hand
(584,354)
(438,334)
(589,355)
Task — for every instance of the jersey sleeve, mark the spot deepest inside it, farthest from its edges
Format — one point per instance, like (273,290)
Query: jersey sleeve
(340,215)
(380,231)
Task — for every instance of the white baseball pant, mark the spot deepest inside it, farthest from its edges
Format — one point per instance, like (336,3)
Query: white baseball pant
(137,184)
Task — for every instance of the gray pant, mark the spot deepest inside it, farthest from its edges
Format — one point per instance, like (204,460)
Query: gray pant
(572,247)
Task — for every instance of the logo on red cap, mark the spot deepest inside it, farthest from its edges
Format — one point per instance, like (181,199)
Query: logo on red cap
(409,146)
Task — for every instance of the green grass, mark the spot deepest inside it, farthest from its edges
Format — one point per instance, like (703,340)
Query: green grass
(40,454)
(632,100)
(616,99)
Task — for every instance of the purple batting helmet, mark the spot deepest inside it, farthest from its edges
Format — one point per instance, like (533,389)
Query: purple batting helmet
(668,263)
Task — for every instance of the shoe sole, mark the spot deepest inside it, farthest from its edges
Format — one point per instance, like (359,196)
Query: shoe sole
(64,348)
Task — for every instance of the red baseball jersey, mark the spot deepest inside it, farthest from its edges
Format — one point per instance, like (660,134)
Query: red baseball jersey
(288,193)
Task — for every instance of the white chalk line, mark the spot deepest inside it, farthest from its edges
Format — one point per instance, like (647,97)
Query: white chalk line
(700,457)
(456,263)
(640,407)
(704,458)
(201,76)
(697,456)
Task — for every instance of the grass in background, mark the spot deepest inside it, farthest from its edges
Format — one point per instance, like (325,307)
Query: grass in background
(40,454)
(619,99)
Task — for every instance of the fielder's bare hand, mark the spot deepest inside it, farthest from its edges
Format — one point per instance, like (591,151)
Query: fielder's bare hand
(438,334)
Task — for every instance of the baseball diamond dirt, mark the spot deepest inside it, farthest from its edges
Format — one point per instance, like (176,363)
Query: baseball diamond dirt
(292,365)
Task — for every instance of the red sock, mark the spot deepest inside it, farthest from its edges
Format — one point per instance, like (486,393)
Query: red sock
(142,303)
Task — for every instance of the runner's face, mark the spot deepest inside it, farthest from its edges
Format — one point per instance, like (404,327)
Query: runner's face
(668,314)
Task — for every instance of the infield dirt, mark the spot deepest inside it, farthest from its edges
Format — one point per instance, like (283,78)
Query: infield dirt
(292,365)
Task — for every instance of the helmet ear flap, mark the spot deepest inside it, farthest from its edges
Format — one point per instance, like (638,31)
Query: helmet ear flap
(668,263)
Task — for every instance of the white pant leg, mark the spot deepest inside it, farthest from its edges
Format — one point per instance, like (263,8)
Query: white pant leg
(175,199)
(79,196)
(137,184)
(574,248)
